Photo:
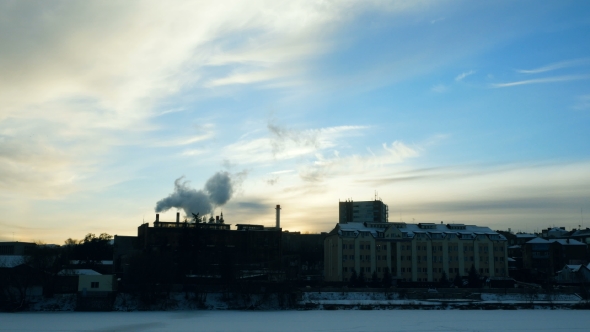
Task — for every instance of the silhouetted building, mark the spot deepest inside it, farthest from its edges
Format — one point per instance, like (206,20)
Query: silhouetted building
(363,211)
(545,257)
(16,248)
(303,255)
(207,249)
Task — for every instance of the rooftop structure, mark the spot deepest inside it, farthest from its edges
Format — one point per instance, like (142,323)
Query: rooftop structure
(364,211)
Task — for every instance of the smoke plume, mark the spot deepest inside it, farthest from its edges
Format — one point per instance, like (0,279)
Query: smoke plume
(218,190)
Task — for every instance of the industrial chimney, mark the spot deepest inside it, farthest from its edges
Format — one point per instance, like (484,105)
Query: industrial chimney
(177,217)
(278,222)
(157,217)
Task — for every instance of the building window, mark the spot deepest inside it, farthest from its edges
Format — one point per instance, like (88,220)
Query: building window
(94,284)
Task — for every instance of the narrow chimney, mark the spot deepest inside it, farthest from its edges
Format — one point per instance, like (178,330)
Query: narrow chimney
(278,222)
(157,217)
(177,217)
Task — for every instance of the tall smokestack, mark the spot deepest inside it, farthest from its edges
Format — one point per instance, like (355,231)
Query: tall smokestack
(177,217)
(157,217)
(278,208)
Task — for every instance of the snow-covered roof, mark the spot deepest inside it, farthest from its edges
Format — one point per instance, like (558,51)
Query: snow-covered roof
(525,235)
(568,242)
(581,232)
(410,230)
(104,262)
(574,268)
(78,272)
(538,240)
(11,260)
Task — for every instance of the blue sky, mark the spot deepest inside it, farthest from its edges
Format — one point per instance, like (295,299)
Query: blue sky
(454,111)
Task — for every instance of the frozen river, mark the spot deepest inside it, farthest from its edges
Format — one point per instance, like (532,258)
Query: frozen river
(317,320)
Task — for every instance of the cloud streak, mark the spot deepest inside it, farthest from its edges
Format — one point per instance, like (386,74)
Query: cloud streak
(556,79)
(555,66)
(463,75)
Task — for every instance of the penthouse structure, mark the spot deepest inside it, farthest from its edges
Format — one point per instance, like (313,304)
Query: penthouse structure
(420,252)
(362,211)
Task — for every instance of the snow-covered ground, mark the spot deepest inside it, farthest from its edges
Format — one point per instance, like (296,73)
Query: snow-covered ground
(314,320)
(381,298)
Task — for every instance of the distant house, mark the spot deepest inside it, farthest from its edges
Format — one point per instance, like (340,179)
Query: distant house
(96,292)
(573,274)
(96,283)
(87,281)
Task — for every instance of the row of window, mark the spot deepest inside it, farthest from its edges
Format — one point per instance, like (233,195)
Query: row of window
(422,270)
(419,259)
(378,247)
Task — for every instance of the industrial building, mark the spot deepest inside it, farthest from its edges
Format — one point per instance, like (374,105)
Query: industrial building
(206,248)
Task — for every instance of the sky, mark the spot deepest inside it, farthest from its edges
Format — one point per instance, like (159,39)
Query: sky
(472,112)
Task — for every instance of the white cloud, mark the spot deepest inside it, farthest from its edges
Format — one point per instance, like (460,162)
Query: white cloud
(439,88)
(286,144)
(555,66)
(337,166)
(461,76)
(542,80)
(96,71)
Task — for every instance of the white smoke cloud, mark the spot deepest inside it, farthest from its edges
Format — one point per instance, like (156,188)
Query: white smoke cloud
(218,191)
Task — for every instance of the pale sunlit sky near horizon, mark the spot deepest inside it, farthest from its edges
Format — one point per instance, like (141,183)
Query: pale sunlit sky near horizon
(457,111)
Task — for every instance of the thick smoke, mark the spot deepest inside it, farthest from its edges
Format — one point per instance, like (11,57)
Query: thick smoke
(218,190)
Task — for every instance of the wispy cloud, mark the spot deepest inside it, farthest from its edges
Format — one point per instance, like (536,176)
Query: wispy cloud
(440,19)
(542,80)
(555,66)
(337,166)
(285,143)
(583,102)
(103,85)
(461,76)
(440,88)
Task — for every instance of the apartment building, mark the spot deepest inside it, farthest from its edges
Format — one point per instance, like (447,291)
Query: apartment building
(362,211)
(413,252)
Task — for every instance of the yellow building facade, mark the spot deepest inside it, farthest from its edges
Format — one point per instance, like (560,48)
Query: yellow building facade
(413,252)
